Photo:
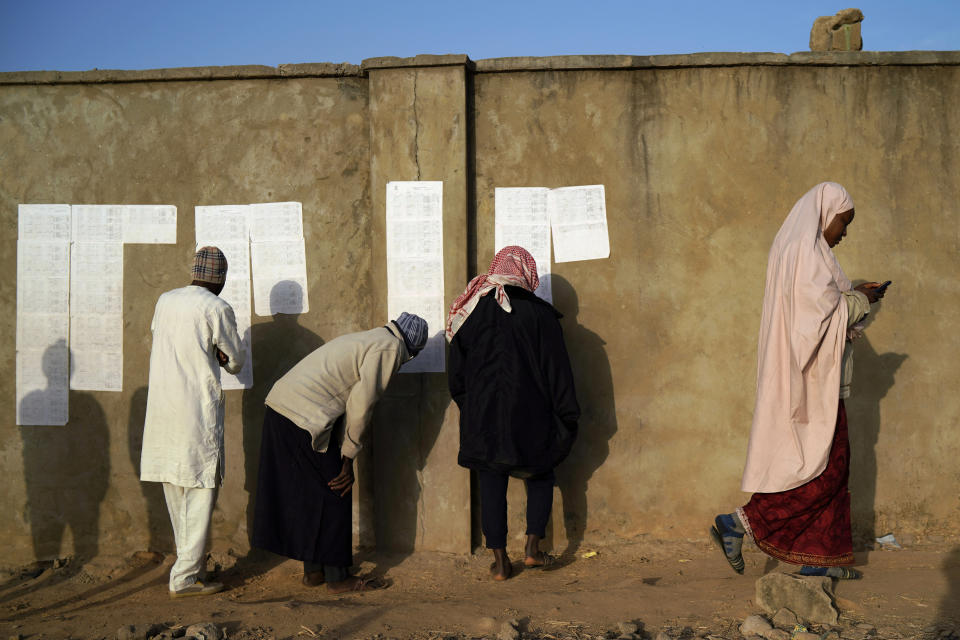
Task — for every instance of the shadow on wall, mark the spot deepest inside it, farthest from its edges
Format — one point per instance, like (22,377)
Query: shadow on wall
(406,426)
(873,377)
(158,521)
(598,420)
(277,346)
(66,470)
(949,614)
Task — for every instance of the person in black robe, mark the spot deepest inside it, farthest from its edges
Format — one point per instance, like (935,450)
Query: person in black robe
(510,375)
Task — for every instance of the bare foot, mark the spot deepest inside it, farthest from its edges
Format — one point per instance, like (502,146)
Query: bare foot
(501,569)
(356,583)
(535,557)
(541,559)
(313,578)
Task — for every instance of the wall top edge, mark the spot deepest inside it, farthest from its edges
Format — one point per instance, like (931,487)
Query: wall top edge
(422,60)
(240,72)
(720,59)
(489,65)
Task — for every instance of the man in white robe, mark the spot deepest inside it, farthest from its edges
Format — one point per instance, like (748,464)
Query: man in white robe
(194,334)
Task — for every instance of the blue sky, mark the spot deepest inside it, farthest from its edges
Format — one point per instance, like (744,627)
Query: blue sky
(143,34)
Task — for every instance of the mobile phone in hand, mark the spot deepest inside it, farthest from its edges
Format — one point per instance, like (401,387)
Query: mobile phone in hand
(883,288)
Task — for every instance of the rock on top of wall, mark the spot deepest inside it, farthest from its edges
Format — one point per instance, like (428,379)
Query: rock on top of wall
(840,32)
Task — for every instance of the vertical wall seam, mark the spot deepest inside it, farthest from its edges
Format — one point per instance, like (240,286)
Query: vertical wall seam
(416,124)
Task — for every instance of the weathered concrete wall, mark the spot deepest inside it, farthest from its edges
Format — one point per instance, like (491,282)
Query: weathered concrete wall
(702,157)
(701,166)
(418,131)
(187,143)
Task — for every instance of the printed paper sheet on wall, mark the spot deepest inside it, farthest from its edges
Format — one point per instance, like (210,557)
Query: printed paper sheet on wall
(96,298)
(43,314)
(578,216)
(278,258)
(226,227)
(149,224)
(70,299)
(522,219)
(96,316)
(415,264)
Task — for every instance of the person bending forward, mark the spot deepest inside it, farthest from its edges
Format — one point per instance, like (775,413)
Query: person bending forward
(313,428)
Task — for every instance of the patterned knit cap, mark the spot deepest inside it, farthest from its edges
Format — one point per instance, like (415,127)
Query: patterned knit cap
(210,265)
(414,331)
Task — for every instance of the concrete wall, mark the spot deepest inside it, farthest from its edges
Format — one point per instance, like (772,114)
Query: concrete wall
(185,142)
(701,165)
(702,156)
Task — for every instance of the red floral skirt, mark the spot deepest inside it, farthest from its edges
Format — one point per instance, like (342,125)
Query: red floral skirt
(809,524)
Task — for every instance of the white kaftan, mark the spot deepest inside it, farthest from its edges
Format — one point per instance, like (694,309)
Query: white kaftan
(183,430)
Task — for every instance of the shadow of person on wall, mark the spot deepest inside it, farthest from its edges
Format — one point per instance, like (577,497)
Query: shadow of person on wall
(66,468)
(873,377)
(598,420)
(407,422)
(949,615)
(276,346)
(158,520)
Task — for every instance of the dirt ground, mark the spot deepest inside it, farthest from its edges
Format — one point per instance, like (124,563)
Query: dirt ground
(686,590)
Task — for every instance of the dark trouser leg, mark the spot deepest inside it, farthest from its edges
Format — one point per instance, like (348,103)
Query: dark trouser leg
(331,573)
(539,503)
(493,508)
(335,574)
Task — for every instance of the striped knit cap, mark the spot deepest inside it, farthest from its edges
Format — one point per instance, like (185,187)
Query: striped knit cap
(210,265)
(414,331)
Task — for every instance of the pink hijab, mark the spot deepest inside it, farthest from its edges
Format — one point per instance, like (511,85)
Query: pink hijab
(802,337)
(511,266)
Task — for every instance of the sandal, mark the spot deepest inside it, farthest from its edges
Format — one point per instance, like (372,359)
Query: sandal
(840,573)
(369,583)
(542,560)
(730,553)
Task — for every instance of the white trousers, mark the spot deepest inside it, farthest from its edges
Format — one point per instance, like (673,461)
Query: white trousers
(190,511)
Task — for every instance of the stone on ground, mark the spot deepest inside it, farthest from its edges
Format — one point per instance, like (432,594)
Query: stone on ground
(809,597)
(136,631)
(755,626)
(486,624)
(785,619)
(626,628)
(204,631)
(509,631)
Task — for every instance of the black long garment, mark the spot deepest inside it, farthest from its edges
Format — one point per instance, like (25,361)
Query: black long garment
(296,514)
(510,375)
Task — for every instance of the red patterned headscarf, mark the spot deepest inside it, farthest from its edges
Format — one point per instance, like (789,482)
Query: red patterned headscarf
(511,266)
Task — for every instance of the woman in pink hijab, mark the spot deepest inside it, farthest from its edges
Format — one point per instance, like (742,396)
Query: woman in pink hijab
(799,454)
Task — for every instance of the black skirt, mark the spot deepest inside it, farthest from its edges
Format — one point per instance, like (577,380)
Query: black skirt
(296,514)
